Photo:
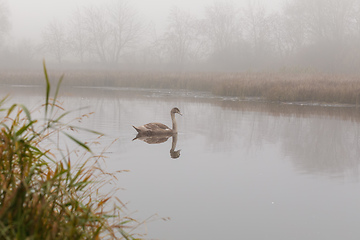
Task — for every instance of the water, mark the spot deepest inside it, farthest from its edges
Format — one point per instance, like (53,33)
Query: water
(246,170)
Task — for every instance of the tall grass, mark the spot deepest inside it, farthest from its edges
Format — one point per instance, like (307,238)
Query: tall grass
(45,198)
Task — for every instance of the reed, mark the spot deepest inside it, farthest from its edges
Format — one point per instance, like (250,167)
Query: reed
(43,197)
(277,87)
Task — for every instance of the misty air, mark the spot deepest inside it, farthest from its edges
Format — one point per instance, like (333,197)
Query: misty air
(179,119)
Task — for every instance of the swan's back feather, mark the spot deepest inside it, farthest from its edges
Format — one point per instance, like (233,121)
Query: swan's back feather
(153,128)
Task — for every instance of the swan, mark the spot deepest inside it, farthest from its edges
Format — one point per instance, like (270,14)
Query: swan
(159,128)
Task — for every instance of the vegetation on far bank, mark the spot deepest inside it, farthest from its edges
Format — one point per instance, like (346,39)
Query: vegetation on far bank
(46,193)
(215,35)
(278,87)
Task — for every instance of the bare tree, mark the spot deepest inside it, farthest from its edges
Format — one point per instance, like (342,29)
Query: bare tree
(4,19)
(182,40)
(282,45)
(326,28)
(265,33)
(322,19)
(292,31)
(223,24)
(54,40)
(260,26)
(356,19)
(25,50)
(78,39)
(153,53)
(352,58)
(125,28)
(112,30)
(97,30)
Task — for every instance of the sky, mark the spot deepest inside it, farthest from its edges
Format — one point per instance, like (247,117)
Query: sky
(29,18)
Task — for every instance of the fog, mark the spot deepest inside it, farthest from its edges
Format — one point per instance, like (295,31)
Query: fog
(269,91)
(178,35)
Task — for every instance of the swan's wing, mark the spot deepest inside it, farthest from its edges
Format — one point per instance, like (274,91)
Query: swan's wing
(155,126)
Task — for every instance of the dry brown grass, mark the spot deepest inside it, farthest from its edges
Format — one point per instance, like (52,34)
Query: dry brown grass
(294,88)
(279,87)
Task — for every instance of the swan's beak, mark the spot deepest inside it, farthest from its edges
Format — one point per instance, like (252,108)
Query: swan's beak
(180,113)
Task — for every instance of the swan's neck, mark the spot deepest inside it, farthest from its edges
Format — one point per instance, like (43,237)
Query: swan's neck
(174,124)
(174,141)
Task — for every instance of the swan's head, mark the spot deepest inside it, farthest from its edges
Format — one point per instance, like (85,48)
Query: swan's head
(175,110)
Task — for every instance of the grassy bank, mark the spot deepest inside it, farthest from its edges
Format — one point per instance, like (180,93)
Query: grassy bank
(279,87)
(49,193)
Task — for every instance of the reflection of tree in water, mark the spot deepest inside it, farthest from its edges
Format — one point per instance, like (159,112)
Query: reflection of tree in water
(317,139)
(217,125)
(321,144)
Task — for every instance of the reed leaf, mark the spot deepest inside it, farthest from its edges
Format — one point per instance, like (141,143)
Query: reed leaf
(83,145)
(42,197)
(47,89)
(2,101)
(57,91)
(24,128)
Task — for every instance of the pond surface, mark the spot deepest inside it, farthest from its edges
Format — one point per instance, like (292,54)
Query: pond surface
(246,170)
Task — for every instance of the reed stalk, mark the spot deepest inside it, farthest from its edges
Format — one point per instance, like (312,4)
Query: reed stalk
(44,195)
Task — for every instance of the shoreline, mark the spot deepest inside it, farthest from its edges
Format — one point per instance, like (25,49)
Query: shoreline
(298,109)
(192,94)
(283,88)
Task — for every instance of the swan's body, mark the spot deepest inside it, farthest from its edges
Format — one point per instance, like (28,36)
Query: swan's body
(159,128)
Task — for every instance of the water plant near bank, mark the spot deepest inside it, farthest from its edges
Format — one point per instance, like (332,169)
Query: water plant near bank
(44,192)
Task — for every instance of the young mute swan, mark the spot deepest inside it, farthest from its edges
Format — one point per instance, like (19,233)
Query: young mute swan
(159,128)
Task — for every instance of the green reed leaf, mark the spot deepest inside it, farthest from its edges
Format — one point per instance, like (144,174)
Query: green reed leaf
(47,89)
(57,91)
(83,145)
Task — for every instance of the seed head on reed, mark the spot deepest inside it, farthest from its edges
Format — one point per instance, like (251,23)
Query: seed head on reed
(45,198)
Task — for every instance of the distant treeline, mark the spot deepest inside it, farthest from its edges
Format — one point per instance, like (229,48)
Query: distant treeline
(320,35)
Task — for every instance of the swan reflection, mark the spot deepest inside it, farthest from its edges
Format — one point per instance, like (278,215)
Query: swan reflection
(157,139)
